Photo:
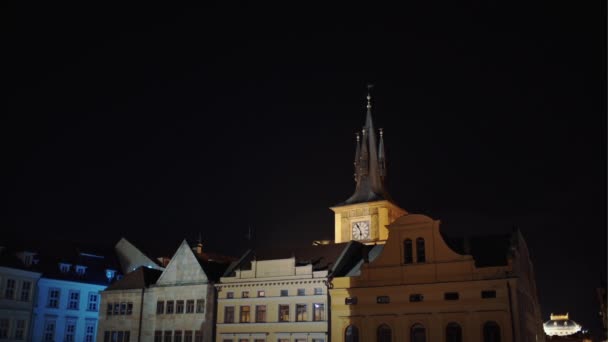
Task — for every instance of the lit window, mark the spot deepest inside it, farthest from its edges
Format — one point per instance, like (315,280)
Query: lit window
(301,315)
(245,294)
(80,269)
(318,312)
(245,314)
(229,295)
(283,313)
(261,293)
(110,274)
(64,268)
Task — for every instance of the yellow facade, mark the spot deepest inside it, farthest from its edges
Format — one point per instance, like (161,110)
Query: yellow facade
(290,295)
(439,291)
(378,213)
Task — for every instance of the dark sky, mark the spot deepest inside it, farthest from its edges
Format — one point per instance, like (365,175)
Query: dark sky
(158,123)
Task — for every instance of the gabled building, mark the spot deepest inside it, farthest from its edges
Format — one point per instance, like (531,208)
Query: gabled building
(277,295)
(414,286)
(175,304)
(17,295)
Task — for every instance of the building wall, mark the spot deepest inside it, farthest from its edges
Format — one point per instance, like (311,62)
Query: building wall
(264,284)
(399,294)
(129,321)
(83,316)
(16,306)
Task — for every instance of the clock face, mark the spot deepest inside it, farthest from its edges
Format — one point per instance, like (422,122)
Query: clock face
(361,230)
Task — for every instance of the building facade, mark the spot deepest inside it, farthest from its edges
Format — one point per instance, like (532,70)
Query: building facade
(412,286)
(17,295)
(273,300)
(176,304)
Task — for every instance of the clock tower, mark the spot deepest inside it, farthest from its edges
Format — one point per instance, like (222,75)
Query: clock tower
(365,215)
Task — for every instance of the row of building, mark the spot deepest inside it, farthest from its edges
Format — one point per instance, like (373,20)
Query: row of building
(388,275)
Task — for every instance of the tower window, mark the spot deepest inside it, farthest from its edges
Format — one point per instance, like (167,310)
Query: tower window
(420,252)
(407,252)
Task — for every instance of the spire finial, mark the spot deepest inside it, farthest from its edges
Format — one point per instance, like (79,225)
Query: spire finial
(369,95)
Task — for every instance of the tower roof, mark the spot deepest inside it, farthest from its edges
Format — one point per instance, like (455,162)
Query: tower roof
(369,163)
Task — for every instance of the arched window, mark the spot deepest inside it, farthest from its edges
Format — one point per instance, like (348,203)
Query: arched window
(384,333)
(351,334)
(407,252)
(453,332)
(418,333)
(491,332)
(420,253)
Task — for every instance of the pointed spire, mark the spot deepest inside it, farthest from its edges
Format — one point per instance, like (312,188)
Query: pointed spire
(370,168)
(382,156)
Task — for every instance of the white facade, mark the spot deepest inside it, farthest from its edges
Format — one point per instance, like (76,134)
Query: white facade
(66,311)
(17,293)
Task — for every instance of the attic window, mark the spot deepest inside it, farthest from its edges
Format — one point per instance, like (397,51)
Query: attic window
(64,268)
(350,300)
(416,297)
(488,294)
(451,296)
(110,274)
(81,269)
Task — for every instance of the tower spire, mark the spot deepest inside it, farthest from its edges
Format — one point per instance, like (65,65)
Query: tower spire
(369,161)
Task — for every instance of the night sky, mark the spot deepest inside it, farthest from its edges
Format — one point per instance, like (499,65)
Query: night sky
(158,123)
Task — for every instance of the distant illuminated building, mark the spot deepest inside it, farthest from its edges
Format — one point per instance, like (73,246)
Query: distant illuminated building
(561,325)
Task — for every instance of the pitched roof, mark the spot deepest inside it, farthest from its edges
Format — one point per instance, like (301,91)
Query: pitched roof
(487,250)
(141,278)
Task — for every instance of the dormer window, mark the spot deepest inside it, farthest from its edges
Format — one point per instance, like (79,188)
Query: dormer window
(110,274)
(81,269)
(64,268)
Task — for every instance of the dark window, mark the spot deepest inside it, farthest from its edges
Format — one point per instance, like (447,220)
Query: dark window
(189,306)
(160,307)
(116,309)
(284,293)
(260,313)
(188,336)
(350,300)
(198,336)
(488,294)
(451,296)
(179,306)
(200,305)
(170,306)
(420,252)
(129,308)
(301,292)
(109,310)
(123,308)
(407,252)
(418,333)
(168,336)
(351,334)
(384,333)
(177,336)
(416,297)
(383,299)
(453,332)
(491,332)
(229,314)
(158,336)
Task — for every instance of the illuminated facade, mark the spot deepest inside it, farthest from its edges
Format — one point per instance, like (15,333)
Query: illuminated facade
(68,297)
(418,287)
(17,293)
(561,325)
(176,304)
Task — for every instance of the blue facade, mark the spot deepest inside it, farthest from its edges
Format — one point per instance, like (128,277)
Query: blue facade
(66,310)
